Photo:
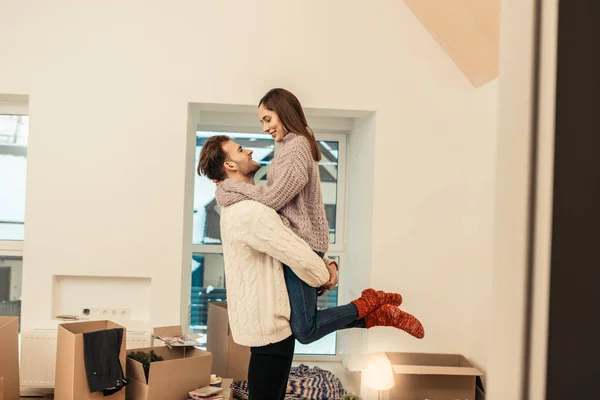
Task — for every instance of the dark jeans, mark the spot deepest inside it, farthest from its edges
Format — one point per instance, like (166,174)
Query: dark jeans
(269,370)
(309,324)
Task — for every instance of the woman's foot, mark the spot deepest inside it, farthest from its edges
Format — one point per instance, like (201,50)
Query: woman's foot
(367,303)
(389,298)
(388,315)
(370,300)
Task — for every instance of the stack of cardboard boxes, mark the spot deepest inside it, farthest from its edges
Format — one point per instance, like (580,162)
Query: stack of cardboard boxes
(181,370)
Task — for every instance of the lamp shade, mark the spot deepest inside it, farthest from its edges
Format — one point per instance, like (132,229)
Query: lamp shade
(379,375)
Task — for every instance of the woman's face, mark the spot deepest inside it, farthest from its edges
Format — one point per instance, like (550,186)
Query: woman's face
(271,123)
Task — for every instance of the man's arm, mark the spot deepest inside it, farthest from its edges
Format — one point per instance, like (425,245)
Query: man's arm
(270,236)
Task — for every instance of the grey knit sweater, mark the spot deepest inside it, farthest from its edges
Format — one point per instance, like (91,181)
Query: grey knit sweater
(293,189)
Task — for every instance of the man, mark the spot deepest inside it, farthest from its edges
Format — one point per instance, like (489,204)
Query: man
(255,243)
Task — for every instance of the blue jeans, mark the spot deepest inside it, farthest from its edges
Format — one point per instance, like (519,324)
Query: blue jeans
(308,324)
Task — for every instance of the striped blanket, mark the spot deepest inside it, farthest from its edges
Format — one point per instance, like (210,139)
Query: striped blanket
(304,384)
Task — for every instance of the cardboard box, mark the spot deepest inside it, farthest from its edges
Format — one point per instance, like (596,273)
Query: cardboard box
(183,370)
(1,388)
(9,357)
(229,358)
(432,376)
(227,389)
(71,379)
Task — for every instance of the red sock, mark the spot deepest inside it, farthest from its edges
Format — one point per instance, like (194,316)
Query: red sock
(367,303)
(388,315)
(389,298)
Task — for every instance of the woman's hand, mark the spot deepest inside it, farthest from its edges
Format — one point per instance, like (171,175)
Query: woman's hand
(333,279)
(333,275)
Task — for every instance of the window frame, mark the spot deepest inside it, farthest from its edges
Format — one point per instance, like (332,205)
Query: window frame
(337,249)
(340,214)
(12,248)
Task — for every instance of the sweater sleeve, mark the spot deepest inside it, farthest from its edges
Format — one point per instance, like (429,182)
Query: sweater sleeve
(292,177)
(268,235)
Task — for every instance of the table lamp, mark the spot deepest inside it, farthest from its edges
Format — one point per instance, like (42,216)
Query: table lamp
(379,375)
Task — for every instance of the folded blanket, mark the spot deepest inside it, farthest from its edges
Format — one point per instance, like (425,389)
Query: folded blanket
(304,383)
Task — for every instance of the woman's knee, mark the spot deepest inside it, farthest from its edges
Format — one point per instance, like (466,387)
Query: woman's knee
(303,333)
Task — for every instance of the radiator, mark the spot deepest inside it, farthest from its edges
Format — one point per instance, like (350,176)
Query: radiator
(38,356)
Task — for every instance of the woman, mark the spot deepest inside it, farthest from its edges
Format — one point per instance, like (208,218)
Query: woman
(294,191)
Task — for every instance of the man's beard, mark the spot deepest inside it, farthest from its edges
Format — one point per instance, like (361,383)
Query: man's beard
(252,170)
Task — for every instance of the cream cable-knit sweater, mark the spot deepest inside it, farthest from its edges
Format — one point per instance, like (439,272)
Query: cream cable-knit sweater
(255,243)
(293,189)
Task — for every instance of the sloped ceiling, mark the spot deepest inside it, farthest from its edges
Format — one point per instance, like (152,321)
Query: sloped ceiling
(468,30)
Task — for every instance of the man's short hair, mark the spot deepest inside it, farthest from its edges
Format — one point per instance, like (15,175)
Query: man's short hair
(213,157)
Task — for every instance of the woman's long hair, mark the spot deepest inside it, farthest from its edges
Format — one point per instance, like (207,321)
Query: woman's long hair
(288,108)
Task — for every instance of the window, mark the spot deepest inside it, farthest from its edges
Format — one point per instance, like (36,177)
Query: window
(14,131)
(10,286)
(13,167)
(208,276)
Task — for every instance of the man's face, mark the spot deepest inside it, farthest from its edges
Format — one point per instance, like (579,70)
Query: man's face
(239,159)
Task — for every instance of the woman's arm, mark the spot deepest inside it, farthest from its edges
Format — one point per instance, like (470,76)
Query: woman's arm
(292,177)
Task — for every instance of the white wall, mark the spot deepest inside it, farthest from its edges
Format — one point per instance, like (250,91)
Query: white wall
(355,270)
(109,85)
(360,170)
(479,225)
